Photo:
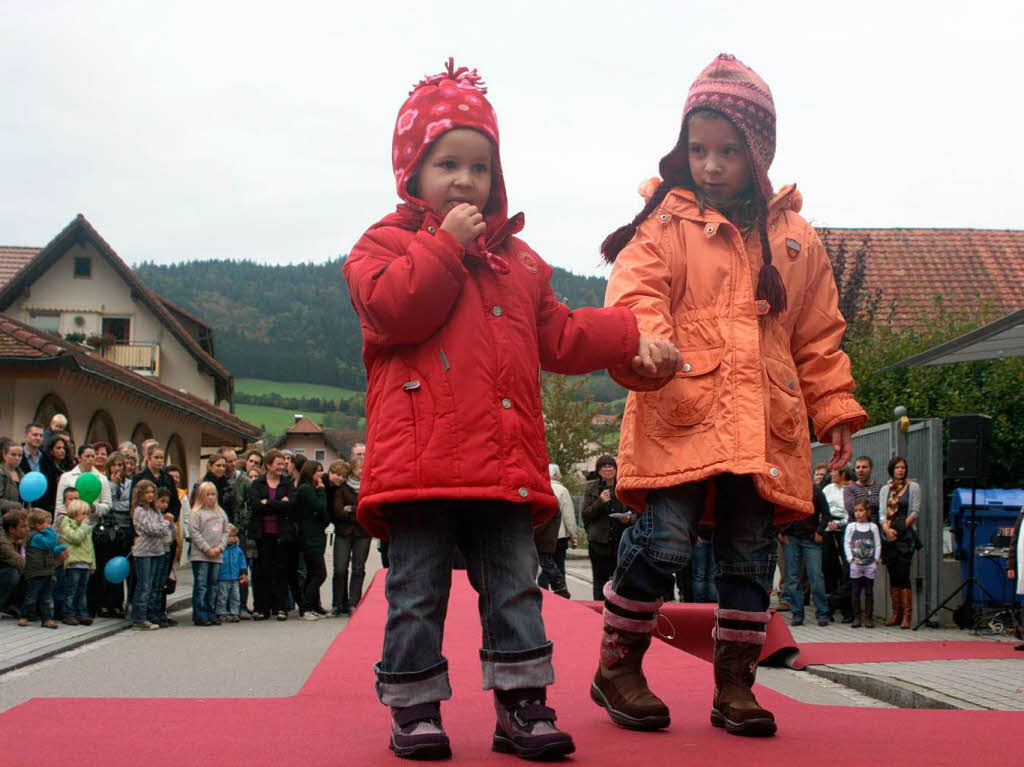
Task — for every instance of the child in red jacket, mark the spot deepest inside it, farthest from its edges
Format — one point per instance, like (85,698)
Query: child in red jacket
(458,320)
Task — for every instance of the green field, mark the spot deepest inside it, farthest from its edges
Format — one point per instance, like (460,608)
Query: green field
(258,386)
(276,419)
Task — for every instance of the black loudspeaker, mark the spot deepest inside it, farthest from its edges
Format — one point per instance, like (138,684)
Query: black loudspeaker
(967,446)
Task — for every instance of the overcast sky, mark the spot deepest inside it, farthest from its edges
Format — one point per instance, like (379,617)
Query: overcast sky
(196,130)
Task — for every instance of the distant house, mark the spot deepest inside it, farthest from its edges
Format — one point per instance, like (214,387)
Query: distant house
(967,269)
(82,335)
(312,441)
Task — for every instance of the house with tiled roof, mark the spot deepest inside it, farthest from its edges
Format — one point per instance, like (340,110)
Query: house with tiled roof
(912,271)
(81,334)
(312,441)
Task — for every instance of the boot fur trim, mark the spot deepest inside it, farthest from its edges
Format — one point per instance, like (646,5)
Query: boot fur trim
(736,635)
(743,615)
(630,604)
(629,624)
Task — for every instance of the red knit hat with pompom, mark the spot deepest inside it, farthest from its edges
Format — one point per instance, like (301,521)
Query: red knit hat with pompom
(437,104)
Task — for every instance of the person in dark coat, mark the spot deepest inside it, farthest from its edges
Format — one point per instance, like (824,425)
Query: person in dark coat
(56,461)
(351,541)
(273,527)
(605,519)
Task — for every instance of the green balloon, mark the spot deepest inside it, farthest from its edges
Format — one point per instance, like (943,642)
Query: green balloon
(88,487)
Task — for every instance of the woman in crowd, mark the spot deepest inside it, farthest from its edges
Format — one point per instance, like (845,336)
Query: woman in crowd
(112,537)
(221,475)
(56,461)
(311,512)
(1013,567)
(10,474)
(272,501)
(833,562)
(351,542)
(899,506)
(605,519)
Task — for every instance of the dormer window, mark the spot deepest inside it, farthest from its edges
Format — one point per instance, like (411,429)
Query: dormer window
(83,266)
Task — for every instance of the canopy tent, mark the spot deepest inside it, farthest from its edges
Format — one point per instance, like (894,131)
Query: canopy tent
(998,340)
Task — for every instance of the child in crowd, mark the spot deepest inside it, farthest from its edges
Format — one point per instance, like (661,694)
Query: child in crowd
(41,553)
(76,532)
(234,573)
(863,546)
(153,531)
(208,531)
(743,286)
(458,317)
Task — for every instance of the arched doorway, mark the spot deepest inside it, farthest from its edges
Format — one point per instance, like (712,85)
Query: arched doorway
(141,433)
(174,455)
(48,407)
(101,429)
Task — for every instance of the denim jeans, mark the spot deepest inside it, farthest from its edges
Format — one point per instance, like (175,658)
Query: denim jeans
(497,541)
(9,580)
(228,600)
(661,542)
(704,572)
(204,590)
(809,552)
(59,590)
(349,551)
(76,585)
(560,550)
(146,604)
(38,598)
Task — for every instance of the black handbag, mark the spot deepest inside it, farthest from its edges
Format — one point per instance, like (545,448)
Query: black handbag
(171,584)
(104,536)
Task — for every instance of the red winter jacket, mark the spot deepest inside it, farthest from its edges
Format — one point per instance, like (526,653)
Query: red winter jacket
(453,350)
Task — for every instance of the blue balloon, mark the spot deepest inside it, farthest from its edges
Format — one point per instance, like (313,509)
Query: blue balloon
(33,486)
(116,570)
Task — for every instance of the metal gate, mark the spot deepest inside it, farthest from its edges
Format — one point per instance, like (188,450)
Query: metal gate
(921,445)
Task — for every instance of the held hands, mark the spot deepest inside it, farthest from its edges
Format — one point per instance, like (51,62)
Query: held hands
(215,551)
(656,358)
(842,448)
(465,223)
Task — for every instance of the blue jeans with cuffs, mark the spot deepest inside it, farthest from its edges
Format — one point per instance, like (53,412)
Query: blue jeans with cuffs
(662,541)
(497,541)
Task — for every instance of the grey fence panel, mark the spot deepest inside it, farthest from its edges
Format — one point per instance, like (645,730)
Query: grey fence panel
(921,445)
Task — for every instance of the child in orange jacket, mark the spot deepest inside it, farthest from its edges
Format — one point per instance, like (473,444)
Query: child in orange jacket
(730,274)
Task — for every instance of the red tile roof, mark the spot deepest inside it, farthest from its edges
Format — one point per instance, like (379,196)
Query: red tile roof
(305,425)
(970,269)
(12,259)
(21,343)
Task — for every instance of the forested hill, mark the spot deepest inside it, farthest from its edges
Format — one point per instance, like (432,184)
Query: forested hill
(295,323)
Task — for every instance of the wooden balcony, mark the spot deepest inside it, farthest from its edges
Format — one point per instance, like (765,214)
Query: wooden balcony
(141,357)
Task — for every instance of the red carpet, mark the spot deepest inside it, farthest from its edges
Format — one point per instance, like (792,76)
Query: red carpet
(819,653)
(336,720)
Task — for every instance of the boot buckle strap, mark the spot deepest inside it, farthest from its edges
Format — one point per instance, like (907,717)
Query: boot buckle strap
(533,712)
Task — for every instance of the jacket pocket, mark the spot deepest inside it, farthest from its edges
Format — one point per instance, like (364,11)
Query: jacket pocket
(689,398)
(421,409)
(786,413)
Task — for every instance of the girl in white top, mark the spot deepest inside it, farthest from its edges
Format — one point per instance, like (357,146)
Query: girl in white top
(863,546)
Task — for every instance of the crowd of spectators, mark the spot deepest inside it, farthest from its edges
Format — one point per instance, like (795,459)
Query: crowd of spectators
(259,515)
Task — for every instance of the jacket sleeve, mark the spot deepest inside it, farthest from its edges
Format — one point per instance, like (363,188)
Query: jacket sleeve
(582,340)
(403,295)
(914,503)
(148,523)
(593,506)
(878,540)
(105,502)
(9,555)
(568,513)
(824,369)
(73,533)
(847,537)
(641,281)
(5,504)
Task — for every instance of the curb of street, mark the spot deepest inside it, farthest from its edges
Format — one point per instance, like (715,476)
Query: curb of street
(889,690)
(100,633)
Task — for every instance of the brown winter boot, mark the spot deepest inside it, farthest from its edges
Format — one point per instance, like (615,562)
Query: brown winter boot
(739,636)
(869,612)
(619,685)
(856,614)
(908,608)
(897,607)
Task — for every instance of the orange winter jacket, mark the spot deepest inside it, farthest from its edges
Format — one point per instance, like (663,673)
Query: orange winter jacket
(741,402)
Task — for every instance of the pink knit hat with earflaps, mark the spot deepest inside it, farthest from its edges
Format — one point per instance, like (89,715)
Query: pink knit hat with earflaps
(730,87)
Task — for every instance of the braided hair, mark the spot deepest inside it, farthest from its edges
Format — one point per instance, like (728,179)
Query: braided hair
(751,213)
